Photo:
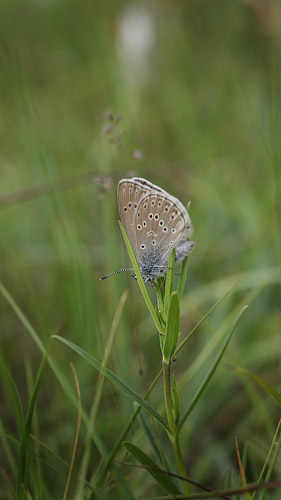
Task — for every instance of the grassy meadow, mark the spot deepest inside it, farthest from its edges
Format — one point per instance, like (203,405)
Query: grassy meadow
(188,96)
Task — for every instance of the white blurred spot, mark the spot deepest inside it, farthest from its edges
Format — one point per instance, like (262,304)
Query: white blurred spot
(135,41)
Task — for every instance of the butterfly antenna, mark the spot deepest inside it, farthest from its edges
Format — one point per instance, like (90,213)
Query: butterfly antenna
(117,272)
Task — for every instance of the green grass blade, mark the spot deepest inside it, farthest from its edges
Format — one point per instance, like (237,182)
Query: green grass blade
(212,370)
(183,276)
(273,444)
(114,379)
(180,346)
(12,392)
(27,426)
(262,383)
(169,282)
(141,283)
(162,479)
(98,394)
(101,495)
(127,428)
(272,464)
(7,449)
(172,328)
(59,374)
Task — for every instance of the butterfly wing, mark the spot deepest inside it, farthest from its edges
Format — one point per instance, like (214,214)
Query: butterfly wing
(148,185)
(129,194)
(152,187)
(159,223)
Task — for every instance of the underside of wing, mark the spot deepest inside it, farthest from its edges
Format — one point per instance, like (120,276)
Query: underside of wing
(129,194)
(159,226)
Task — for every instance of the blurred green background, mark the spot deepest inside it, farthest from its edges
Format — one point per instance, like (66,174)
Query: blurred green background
(187,95)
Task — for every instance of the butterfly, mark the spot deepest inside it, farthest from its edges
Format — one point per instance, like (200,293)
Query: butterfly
(155,222)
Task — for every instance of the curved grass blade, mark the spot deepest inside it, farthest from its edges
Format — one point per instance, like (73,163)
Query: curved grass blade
(262,383)
(211,371)
(163,480)
(114,379)
(140,281)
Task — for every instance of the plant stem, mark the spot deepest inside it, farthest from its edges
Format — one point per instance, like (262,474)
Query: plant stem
(174,437)
(168,398)
(180,462)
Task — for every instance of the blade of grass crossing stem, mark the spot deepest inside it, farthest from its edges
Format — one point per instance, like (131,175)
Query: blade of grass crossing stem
(141,283)
(163,480)
(172,328)
(273,444)
(74,453)
(59,374)
(212,370)
(169,282)
(114,379)
(27,426)
(183,276)
(262,383)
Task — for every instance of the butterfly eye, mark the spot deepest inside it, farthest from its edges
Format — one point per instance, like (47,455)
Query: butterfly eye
(135,205)
(156,216)
(139,227)
(129,204)
(159,203)
(165,229)
(150,216)
(171,242)
(153,242)
(144,223)
(138,214)
(142,246)
(173,230)
(161,222)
